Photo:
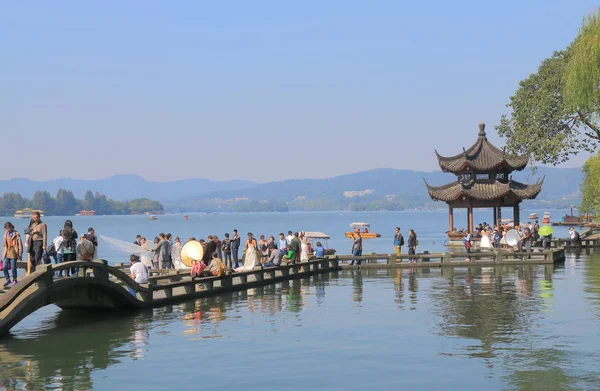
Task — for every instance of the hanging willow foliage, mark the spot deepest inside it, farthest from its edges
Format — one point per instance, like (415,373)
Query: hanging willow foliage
(583,70)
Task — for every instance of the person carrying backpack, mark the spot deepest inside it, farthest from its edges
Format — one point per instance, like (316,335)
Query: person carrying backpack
(398,241)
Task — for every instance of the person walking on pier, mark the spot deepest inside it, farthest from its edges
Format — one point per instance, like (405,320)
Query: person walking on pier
(412,244)
(38,232)
(235,248)
(12,249)
(398,241)
(356,247)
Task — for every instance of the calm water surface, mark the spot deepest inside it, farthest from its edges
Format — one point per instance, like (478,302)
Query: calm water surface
(529,328)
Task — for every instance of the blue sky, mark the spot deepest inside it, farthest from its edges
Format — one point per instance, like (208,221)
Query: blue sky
(261,90)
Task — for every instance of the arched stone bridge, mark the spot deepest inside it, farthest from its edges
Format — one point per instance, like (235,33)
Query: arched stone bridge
(107,287)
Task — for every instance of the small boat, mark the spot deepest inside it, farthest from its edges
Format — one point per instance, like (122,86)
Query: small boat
(318,236)
(533,216)
(152,218)
(363,229)
(186,217)
(27,213)
(507,223)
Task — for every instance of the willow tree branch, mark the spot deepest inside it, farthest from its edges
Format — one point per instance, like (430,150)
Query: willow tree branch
(591,126)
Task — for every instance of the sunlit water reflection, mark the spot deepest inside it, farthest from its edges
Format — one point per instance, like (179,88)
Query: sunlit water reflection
(475,328)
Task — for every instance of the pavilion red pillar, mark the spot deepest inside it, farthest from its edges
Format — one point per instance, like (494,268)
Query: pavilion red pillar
(470,218)
(495,221)
(516,217)
(451,218)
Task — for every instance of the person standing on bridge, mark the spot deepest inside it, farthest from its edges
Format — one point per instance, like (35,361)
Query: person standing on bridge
(85,252)
(69,245)
(38,232)
(12,249)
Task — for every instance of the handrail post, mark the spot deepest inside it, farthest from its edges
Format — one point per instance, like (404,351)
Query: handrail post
(47,278)
(103,271)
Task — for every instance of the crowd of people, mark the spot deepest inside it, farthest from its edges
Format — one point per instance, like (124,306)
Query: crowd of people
(223,255)
(495,237)
(66,246)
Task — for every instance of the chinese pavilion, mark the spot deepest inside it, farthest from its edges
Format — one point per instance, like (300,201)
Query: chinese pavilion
(483,181)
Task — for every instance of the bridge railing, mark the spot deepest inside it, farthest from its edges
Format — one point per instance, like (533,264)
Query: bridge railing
(103,271)
(453,257)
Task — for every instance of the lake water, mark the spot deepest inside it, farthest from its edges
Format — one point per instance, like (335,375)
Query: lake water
(534,327)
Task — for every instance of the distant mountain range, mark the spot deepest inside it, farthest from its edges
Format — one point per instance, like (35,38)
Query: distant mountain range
(123,187)
(383,188)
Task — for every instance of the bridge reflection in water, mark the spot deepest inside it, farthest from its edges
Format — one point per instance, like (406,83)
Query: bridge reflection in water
(107,287)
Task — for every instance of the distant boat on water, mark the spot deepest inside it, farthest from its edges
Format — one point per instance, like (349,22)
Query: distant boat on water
(86,213)
(152,218)
(27,213)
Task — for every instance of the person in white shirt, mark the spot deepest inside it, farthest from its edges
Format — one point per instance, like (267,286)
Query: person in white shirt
(138,271)
(58,258)
(289,237)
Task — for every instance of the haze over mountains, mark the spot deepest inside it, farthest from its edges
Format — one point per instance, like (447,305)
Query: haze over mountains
(123,187)
(383,188)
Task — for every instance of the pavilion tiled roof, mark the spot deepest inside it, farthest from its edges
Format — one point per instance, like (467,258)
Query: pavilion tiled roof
(481,156)
(484,191)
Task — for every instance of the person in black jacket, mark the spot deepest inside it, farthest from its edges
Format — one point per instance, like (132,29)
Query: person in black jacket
(211,247)
(235,248)
(412,244)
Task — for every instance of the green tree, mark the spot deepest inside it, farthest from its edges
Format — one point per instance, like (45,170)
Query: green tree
(144,205)
(590,187)
(13,202)
(42,200)
(583,70)
(89,201)
(66,204)
(542,124)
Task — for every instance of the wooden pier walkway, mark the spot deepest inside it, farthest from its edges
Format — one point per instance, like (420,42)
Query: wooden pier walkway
(106,287)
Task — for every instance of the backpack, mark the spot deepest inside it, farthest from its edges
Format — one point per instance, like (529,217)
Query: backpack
(51,250)
(226,245)
(401,240)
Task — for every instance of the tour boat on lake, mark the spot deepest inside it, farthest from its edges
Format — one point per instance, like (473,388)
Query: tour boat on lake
(364,229)
(27,213)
